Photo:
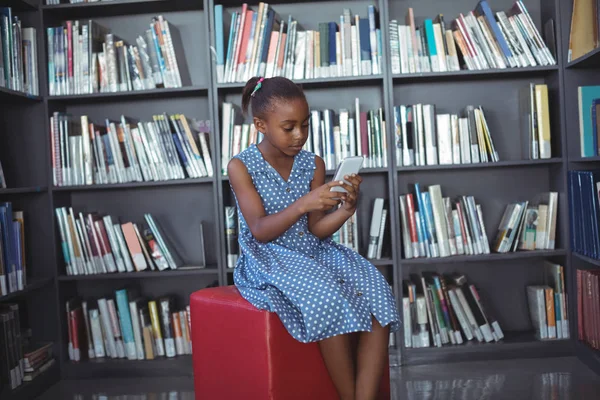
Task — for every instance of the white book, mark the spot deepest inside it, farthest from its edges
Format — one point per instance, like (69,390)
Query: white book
(114,245)
(381,233)
(123,248)
(96,332)
(455,132)
(109,338)
(300,55)
(444,139)
(465,141)
(407,321)
(439,219)
(470,318)
(375,228)
(429,128)
(137,330)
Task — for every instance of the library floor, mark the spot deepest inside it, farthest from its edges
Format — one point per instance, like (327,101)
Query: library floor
(534,379)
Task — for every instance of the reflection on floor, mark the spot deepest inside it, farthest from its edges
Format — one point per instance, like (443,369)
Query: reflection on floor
(537,379)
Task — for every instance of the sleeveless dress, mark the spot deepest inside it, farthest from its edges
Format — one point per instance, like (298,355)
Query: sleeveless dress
(318,288)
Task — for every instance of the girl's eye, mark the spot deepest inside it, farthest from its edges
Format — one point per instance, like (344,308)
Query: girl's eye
(305,126)
(288,129)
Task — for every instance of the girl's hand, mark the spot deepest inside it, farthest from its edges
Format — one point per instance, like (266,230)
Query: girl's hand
(322,198)
(351,198)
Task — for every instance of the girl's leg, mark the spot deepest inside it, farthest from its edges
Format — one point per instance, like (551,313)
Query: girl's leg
(372,350)
(337,354)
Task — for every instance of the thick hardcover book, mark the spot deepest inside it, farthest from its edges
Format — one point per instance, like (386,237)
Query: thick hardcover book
(231,232)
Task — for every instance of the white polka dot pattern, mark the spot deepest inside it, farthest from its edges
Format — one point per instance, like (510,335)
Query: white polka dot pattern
(318,288)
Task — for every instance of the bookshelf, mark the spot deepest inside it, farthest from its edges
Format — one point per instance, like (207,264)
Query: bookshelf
(187,202)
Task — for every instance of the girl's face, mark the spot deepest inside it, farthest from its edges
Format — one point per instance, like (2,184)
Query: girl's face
(286,125)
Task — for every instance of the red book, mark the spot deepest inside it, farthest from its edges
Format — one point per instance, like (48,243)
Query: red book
(579,306)
(364,135)
(412,224)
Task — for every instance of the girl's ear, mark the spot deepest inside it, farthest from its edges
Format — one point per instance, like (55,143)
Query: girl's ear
(260,124)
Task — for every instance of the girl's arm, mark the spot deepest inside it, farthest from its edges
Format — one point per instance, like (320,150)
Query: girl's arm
(266,228)
(320,224)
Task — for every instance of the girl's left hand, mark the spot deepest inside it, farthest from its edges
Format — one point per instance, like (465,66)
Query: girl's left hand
(351,198)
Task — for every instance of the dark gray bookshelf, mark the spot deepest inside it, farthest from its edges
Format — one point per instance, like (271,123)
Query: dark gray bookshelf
(186,203)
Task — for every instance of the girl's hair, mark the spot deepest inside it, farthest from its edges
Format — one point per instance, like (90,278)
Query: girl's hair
(271,90)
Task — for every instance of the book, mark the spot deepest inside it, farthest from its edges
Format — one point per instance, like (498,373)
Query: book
(231,234)
(13,271)
(584,204)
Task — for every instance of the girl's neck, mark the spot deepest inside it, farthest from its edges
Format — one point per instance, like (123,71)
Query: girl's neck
(274,156)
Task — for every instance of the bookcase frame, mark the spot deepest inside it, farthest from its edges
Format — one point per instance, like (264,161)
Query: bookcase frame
(503,275)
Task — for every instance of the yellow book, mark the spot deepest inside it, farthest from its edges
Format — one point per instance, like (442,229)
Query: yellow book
(154,318)
(543,115)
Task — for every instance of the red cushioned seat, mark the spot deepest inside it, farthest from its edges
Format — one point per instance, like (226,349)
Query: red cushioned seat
(242,353)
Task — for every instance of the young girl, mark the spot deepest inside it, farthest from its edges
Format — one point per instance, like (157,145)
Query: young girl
(322,291)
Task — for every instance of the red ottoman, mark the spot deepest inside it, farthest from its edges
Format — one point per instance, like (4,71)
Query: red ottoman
(241,352)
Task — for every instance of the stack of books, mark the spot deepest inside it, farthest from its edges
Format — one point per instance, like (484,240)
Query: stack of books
(588,298)
(446,310)
(84,153)
(85,57)
(548,304)
(478,40)
(424,137)
(528,225)
(260,43)
(21,360)
(13,276)
(93,244)
(431,227)
(18,54)
(331,136)
(134,328)
(584,210)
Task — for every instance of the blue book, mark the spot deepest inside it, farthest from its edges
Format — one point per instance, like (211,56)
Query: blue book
(430,38)
(232,34)
(586,96)
(430,224)
(332,46)
(483,9)
(266,41)
(18,255)
(423,215)
(125,322)
(219,42)
(365,41)
(10,268)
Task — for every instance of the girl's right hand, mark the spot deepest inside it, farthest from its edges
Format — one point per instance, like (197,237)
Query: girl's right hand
(321,198)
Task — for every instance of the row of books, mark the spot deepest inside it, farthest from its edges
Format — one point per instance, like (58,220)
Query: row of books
(85,57)
(331,136)
(424,137)
(93,244)
(84,153)
(18,54)
(432,228)
(584,210)
(535,121)
(528,225)
(548,304)
(13,270)
(261,43)
(588,309)
(127,326)
(440,310)
(476,41)
(21,359)
(588,99)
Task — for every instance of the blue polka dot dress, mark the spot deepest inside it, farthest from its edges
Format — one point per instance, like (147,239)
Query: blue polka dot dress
(318,288)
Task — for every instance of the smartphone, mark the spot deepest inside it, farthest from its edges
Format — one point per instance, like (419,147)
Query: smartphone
(348,166)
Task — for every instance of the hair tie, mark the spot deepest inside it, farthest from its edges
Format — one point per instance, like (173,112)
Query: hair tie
(258,86)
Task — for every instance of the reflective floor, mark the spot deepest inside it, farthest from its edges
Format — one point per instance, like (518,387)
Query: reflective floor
(539,379)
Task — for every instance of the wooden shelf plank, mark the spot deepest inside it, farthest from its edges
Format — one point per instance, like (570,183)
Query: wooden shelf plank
(318,82)
(107,8)
(491,165)
(109,368)
(9,94)
(595,263)
(132,185)
(24,190)
(514,345)
(183,272)
(589,60)
(479,74)
(188,91)
(19,5)
(31,287)
(585,159)
(486,257)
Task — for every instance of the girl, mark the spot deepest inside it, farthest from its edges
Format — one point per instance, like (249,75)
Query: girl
(288,264)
